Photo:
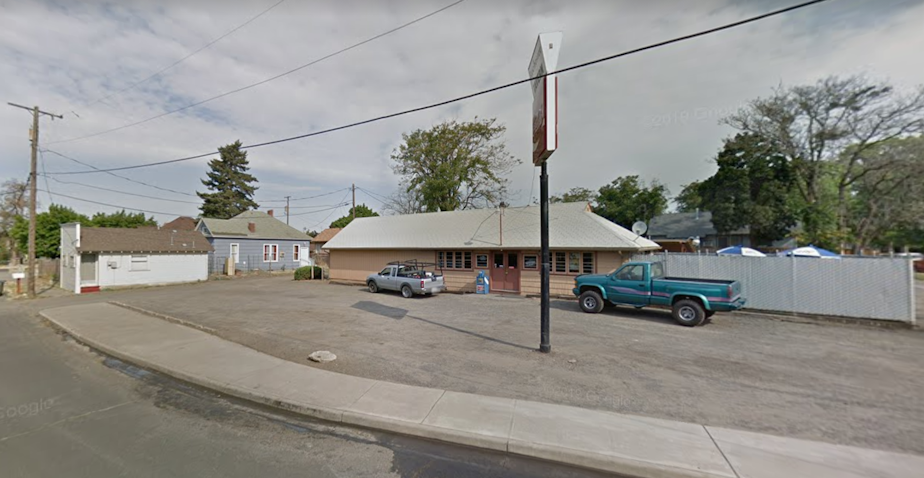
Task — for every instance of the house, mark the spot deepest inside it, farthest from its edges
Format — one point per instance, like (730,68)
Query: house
(319,255)
(504,243)
(182,223)
(94,258)
(675,231)
(254,240)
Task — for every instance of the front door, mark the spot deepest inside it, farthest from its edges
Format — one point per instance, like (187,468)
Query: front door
(629,285)
(505,272)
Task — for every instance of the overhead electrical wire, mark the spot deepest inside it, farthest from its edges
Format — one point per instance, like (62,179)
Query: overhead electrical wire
(181,60)
(267,80)
(479,93)
(115,206)
(306,197)
(335,206)
(122,192)
(117,175)
(322,221)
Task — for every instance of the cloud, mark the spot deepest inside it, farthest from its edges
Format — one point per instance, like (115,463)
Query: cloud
(654,114)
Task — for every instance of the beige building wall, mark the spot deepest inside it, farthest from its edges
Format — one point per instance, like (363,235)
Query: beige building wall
(356,265)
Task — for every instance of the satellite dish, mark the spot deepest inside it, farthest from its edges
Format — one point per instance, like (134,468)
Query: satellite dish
(639,228)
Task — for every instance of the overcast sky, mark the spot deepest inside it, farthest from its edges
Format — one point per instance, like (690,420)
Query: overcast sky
(654,114)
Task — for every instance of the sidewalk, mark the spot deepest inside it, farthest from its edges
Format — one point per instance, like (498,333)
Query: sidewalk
(629,445)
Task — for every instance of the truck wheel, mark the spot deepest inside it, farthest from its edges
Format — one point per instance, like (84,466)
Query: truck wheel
(406,291)
(688,312)
(372,286)
(591,302)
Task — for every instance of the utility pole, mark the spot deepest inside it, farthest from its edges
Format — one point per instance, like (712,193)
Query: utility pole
(354,200)
(33,163)
(287,210)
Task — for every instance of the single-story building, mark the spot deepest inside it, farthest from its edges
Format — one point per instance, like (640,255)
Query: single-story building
(502,242)
(318,253)
(675,231)
(254,240)
(94,258)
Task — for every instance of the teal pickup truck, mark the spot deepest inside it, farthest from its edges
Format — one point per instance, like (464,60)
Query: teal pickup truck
(641,284)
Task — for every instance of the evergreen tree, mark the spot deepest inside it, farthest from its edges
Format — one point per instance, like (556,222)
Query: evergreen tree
(232,185)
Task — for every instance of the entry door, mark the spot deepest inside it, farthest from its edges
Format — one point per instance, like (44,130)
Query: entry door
(505,272)
(629,285)
(88,269)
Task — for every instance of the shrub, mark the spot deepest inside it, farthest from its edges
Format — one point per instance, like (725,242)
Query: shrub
(304,273)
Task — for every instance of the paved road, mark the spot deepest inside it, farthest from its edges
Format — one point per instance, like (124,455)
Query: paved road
(65,411)
(849,385)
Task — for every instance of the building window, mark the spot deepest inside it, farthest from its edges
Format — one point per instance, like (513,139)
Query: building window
(454,260)
(481,261)
(236,252)
(296,252)
(139,263)
(573,262)
(270,252)
(530,261)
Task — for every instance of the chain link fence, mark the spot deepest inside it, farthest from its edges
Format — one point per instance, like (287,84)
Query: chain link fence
(862,287)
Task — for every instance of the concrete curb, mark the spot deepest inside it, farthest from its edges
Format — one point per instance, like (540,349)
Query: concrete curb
(457,437)
(623,444)
(166,317)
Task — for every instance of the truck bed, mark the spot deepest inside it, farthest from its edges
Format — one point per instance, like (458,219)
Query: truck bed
(691,279)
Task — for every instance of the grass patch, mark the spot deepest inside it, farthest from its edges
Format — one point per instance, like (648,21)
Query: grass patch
(919,276)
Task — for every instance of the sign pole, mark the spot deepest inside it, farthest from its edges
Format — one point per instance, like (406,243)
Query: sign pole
(544,345)
(545,141)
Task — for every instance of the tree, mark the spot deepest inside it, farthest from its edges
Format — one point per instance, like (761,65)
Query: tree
(121,219)
(575,195)
(834,120)
(754,187)
(888,202)
(14,200)
(404,201)
(689,199)
(455,165)
(232,184)
(361,211)
(627,199)
(47,230)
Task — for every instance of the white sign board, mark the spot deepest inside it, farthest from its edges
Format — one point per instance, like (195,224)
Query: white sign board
(545,95)
(19,275)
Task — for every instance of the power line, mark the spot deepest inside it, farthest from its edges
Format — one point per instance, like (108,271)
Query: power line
(120,192)
(115,206)
(51,199)
(181,60)
(322,221)
(238,90)
(307,197)
(313,207)
(479,93)
(335,206)
(115,175)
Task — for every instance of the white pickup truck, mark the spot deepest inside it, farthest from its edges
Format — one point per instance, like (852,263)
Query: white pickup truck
(410,278)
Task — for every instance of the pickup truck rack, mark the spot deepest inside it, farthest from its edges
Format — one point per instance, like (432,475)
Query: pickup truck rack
(420,265)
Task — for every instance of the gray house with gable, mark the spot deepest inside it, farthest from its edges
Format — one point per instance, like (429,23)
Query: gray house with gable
(255,240)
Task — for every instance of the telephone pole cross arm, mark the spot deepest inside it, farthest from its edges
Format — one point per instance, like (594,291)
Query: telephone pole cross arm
(34,138)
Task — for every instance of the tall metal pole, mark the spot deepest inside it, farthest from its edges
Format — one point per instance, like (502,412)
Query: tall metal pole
(354,200)
(544,344)
(30,277)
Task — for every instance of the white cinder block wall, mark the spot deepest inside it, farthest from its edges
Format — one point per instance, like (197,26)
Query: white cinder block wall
(118,270)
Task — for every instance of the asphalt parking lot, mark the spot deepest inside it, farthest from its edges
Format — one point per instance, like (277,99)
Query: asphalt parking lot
(842,384)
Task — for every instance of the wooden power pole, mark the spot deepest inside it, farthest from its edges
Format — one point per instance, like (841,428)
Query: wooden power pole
(287,210)
(354,200)
(33,163)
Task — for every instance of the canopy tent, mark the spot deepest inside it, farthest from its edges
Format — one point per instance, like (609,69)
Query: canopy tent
(811,251)
(740,251)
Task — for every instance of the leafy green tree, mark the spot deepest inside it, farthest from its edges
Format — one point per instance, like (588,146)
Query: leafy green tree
(836,120)
(121,219)
(754,187)
(689,199)
(233,186)
(361,211)
(455,165)
(575,195)
(47,230)
(14,200)
(628,199)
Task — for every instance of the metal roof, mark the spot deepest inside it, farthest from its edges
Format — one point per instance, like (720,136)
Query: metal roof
(142,239)
(571,226)
(265,227)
